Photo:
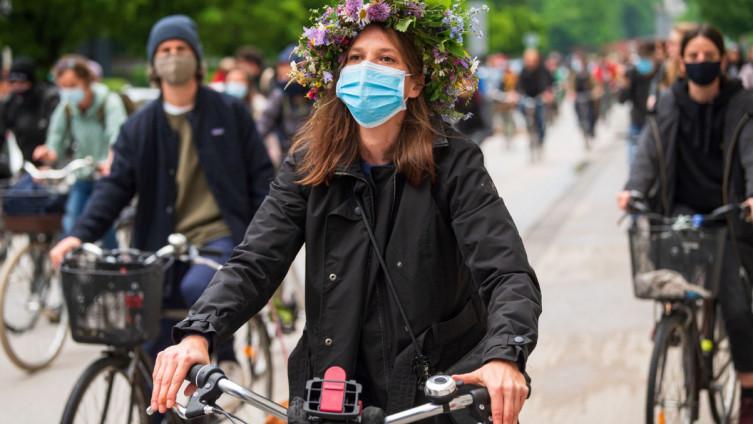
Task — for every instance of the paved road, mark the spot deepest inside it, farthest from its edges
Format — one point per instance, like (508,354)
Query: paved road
(593,353)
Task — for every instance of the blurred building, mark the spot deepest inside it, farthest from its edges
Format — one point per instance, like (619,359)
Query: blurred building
(667,11)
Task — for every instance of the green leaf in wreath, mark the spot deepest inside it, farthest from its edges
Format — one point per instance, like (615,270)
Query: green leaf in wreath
(404,23)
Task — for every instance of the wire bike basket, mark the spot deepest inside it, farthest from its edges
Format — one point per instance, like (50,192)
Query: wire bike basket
(32,208)
(673,263)
(114,302)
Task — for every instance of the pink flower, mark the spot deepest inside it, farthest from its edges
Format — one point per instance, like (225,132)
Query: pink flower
(312,94)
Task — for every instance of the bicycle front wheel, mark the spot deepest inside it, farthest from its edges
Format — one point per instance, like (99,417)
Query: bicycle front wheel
(258,355)
(33,320)
(672,396)
(105,394)
(724,392)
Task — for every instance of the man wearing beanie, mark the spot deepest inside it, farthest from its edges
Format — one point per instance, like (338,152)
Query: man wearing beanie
(27,111)
(194,160)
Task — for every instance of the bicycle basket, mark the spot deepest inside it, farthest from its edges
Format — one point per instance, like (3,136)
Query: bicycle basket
(115,304)
(669,264)
(27,198)
(43,224)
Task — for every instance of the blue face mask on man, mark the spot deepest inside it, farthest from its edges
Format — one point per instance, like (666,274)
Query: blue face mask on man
(373,93)
(644,66)
(72,96)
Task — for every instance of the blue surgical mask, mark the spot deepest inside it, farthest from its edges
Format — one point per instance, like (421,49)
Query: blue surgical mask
(236,89)
(644,66)
(72,96)
(373,93)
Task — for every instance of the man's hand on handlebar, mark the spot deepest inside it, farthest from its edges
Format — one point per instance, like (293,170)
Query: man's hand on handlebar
(506,385)
(57,254)
(44,154)
(171,368)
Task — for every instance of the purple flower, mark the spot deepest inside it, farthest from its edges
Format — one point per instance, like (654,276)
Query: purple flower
(352,7)
(327,77)
(439,57)
(414,9)
(379,12)
(317,36)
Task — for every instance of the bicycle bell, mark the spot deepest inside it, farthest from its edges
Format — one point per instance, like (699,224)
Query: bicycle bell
(178,242)
(440,388)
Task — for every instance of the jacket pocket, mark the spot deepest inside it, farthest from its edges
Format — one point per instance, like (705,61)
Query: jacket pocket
(452,339)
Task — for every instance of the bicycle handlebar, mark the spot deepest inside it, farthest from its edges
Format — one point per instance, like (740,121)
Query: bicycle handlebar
(212,383)
(178,248)
(637,205)
(58,174)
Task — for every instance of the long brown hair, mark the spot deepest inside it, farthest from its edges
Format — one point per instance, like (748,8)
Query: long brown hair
(330,136)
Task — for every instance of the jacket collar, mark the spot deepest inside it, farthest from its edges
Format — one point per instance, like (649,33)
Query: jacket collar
(354,169)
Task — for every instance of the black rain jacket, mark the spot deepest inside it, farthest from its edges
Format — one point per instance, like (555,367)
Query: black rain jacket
(653,171)
(454,254)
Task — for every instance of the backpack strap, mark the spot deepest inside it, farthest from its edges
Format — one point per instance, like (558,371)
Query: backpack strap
(68,134)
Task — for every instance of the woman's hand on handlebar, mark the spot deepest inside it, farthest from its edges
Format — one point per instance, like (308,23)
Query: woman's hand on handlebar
(42,153)
(172,367)
(507,388)
(57,254)
(623,200)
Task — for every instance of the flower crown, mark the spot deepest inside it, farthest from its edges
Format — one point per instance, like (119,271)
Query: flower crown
(436,26)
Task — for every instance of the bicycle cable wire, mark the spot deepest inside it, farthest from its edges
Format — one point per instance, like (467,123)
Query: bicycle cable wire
(230,416)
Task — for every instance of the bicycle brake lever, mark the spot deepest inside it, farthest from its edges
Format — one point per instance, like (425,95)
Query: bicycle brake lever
(202,400)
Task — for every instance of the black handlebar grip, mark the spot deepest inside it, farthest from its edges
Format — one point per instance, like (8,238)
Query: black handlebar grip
(193,373)
(482,406)
(372,415)
(200,373)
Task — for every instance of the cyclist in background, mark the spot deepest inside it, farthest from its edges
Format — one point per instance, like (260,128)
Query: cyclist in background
(27,111)
(692,118)
(84,124)
(194,160)
(535,81)
(638,82)
(287,108)
(584,87)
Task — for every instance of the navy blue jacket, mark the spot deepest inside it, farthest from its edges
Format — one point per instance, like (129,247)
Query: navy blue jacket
(232,156)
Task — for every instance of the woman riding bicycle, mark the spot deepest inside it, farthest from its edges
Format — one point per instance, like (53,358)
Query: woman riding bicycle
(375,166)
(84,124)
(697,156)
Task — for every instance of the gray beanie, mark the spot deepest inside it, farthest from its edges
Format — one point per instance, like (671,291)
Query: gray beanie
(174,27)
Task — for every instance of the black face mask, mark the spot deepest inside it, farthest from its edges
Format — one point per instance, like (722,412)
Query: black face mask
(703,73)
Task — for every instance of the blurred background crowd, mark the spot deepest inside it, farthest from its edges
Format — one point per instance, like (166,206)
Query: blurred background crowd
(534,53)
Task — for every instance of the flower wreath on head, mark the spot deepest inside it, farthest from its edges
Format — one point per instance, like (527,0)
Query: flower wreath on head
(436,26)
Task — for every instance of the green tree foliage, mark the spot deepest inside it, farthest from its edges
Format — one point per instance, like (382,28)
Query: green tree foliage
(507,26)
(733,17)
(596,22)
(45,29)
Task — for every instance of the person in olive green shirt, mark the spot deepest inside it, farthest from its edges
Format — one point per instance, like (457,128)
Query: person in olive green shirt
(85,124)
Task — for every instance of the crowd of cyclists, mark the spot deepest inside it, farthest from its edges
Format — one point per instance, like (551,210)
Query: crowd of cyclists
(199,162)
